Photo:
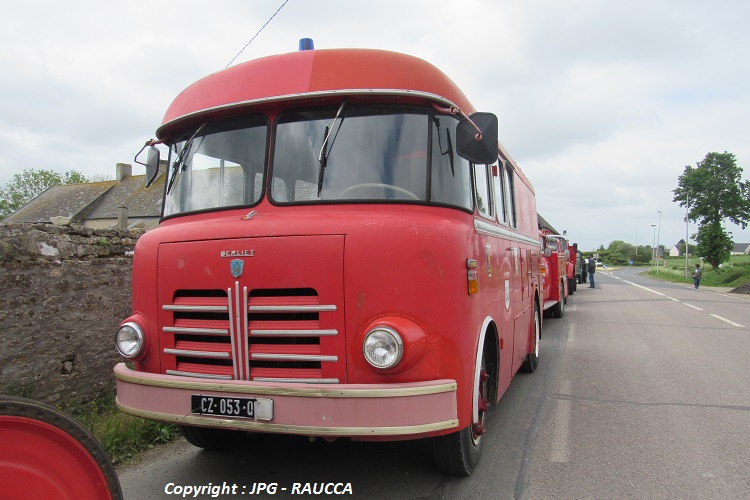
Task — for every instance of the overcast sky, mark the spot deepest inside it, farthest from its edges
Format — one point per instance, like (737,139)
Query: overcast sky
(602,103)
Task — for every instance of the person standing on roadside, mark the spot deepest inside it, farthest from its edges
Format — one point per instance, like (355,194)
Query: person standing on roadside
(697,274)
(592,270)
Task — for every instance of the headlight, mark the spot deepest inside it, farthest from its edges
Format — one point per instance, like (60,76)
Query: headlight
(383,347)
(129,340)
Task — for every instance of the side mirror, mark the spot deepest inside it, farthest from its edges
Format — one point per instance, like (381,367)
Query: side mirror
(567,254)
(152,165)
(548,252)
(152,162)
(476,138)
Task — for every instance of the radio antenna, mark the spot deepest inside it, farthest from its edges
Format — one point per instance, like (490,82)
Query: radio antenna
(258,33)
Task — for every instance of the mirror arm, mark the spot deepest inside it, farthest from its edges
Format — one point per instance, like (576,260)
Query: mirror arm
(455,110)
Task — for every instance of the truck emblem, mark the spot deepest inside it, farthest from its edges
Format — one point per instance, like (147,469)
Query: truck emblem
(236,267)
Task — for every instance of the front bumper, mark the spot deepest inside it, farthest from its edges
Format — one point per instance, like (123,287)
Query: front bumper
(394,410)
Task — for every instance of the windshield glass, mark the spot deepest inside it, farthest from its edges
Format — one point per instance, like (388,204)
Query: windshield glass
(374,153)
(219,166)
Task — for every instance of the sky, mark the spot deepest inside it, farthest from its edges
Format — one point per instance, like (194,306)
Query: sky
(602,103)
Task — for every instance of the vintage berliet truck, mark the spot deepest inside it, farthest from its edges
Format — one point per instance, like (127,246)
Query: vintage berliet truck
(346,250)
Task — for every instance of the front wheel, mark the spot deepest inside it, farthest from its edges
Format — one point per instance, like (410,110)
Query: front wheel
(458,453)
(531,362)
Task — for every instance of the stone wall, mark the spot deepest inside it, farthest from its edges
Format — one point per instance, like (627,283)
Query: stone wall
(64,290)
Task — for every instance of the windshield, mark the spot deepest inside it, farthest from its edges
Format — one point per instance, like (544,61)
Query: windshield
(219,166)
(369,153)
(342,154)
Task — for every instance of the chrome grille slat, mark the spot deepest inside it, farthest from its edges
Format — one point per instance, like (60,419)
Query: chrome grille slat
(197,354)
(196,331)
(293,357)
(198,375)
(294,333)
(239,333)
(288,309)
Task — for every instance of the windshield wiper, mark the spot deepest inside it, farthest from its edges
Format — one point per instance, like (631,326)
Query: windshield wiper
(180,162)
(323,156)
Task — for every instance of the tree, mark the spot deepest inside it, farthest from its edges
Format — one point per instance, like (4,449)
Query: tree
(714,244)
(29,184)
(713,192)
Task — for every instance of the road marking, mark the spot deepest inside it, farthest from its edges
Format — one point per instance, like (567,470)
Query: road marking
(725,320)
(572,332)
(560,440)
(673,299)
(694,307)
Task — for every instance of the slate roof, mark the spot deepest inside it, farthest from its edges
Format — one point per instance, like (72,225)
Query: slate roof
(95,200)
(60,201)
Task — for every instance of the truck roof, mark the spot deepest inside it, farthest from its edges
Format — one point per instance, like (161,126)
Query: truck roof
(310,73)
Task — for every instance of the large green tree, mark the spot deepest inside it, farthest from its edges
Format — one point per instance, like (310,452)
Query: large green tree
(29,184)
(713,191)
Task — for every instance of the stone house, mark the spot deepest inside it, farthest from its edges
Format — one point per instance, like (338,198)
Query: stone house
(122,203)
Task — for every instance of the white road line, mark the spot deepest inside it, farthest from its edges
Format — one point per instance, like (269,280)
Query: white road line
(725,320)
(560,440)
(673,299)
(694,307)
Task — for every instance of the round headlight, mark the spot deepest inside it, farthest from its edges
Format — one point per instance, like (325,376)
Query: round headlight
(383,347)
(129,340)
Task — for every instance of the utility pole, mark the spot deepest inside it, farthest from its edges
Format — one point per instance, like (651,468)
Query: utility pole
(687,233)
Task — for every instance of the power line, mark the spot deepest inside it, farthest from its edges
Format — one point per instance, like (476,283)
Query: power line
(258,33)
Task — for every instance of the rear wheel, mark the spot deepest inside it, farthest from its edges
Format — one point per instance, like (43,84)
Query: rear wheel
(532,359)
(209,438)
(458,453)
(558,310)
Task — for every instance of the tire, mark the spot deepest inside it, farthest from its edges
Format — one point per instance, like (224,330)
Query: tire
(47,454)
(531,362)
(558,310)
(209,438)
(459,453)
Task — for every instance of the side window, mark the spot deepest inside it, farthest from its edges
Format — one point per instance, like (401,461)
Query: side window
(482,176)
(500,204)
(510,195)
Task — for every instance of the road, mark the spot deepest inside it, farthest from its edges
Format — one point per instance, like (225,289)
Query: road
(643,392)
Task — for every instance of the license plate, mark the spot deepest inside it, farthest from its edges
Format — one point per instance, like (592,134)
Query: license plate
(257,409)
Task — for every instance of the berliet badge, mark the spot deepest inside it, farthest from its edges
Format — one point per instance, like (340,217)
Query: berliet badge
(236,266)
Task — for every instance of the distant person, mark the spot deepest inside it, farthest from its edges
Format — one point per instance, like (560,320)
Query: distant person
(592,270)
(697,274)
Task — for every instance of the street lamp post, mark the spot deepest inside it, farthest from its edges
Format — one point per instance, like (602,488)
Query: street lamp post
(687,233)
(658,235)
(653,245)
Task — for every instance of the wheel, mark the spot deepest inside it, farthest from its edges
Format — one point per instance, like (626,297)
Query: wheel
(458,453)
(209,438)
(368,185)
(46,454)
(558,310)
(531,362)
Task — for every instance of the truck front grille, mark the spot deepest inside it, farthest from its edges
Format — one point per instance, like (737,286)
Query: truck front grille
(263,335)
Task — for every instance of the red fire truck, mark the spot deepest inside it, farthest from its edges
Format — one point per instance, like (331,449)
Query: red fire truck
(555,262)
(345,251)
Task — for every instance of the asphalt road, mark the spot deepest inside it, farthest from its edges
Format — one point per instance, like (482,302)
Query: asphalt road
(643,392)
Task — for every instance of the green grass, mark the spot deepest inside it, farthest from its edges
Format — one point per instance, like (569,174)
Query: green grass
(732,274)
(122,436)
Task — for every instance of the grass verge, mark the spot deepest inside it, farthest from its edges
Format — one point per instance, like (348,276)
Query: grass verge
(121,435)
(731,275)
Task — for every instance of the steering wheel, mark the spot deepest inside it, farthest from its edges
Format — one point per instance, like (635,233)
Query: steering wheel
(368,185)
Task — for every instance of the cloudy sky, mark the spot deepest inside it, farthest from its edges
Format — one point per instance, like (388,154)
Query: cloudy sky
(603,103)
